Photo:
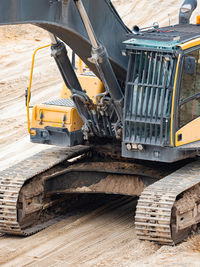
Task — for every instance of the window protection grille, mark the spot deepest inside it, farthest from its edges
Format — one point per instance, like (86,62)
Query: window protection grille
(148,97)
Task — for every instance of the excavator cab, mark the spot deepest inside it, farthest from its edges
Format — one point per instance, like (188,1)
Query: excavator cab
(161,114)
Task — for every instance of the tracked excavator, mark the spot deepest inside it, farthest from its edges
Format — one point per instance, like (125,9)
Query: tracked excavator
(129,125)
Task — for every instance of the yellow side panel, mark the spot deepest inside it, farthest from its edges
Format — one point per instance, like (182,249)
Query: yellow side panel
(91,84)
(190,133)
(190,44)
(53,116)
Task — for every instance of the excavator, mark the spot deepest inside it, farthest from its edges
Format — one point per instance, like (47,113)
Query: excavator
(128,125)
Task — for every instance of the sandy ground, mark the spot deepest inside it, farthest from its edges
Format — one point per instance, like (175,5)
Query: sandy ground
(104,236)
(16,49)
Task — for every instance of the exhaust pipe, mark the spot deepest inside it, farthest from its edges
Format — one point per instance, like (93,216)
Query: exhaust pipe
(186,11)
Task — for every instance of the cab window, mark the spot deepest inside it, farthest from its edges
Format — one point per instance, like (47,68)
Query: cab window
(189,101)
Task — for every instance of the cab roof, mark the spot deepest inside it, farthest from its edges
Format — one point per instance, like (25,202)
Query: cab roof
(171,37)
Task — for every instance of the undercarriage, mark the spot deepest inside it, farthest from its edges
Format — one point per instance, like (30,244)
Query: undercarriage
(35,193)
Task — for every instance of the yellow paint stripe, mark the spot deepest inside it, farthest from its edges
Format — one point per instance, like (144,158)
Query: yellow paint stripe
(173,98)
(190,44)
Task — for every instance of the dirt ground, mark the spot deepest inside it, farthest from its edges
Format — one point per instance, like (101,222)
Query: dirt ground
(105,236)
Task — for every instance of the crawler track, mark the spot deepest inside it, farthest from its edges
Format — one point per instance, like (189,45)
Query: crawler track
(14,205)
(159,217)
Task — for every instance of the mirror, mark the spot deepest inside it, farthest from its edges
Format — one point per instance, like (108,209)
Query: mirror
(190,65)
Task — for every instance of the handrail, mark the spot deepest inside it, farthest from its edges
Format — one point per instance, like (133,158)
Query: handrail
(29,88)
